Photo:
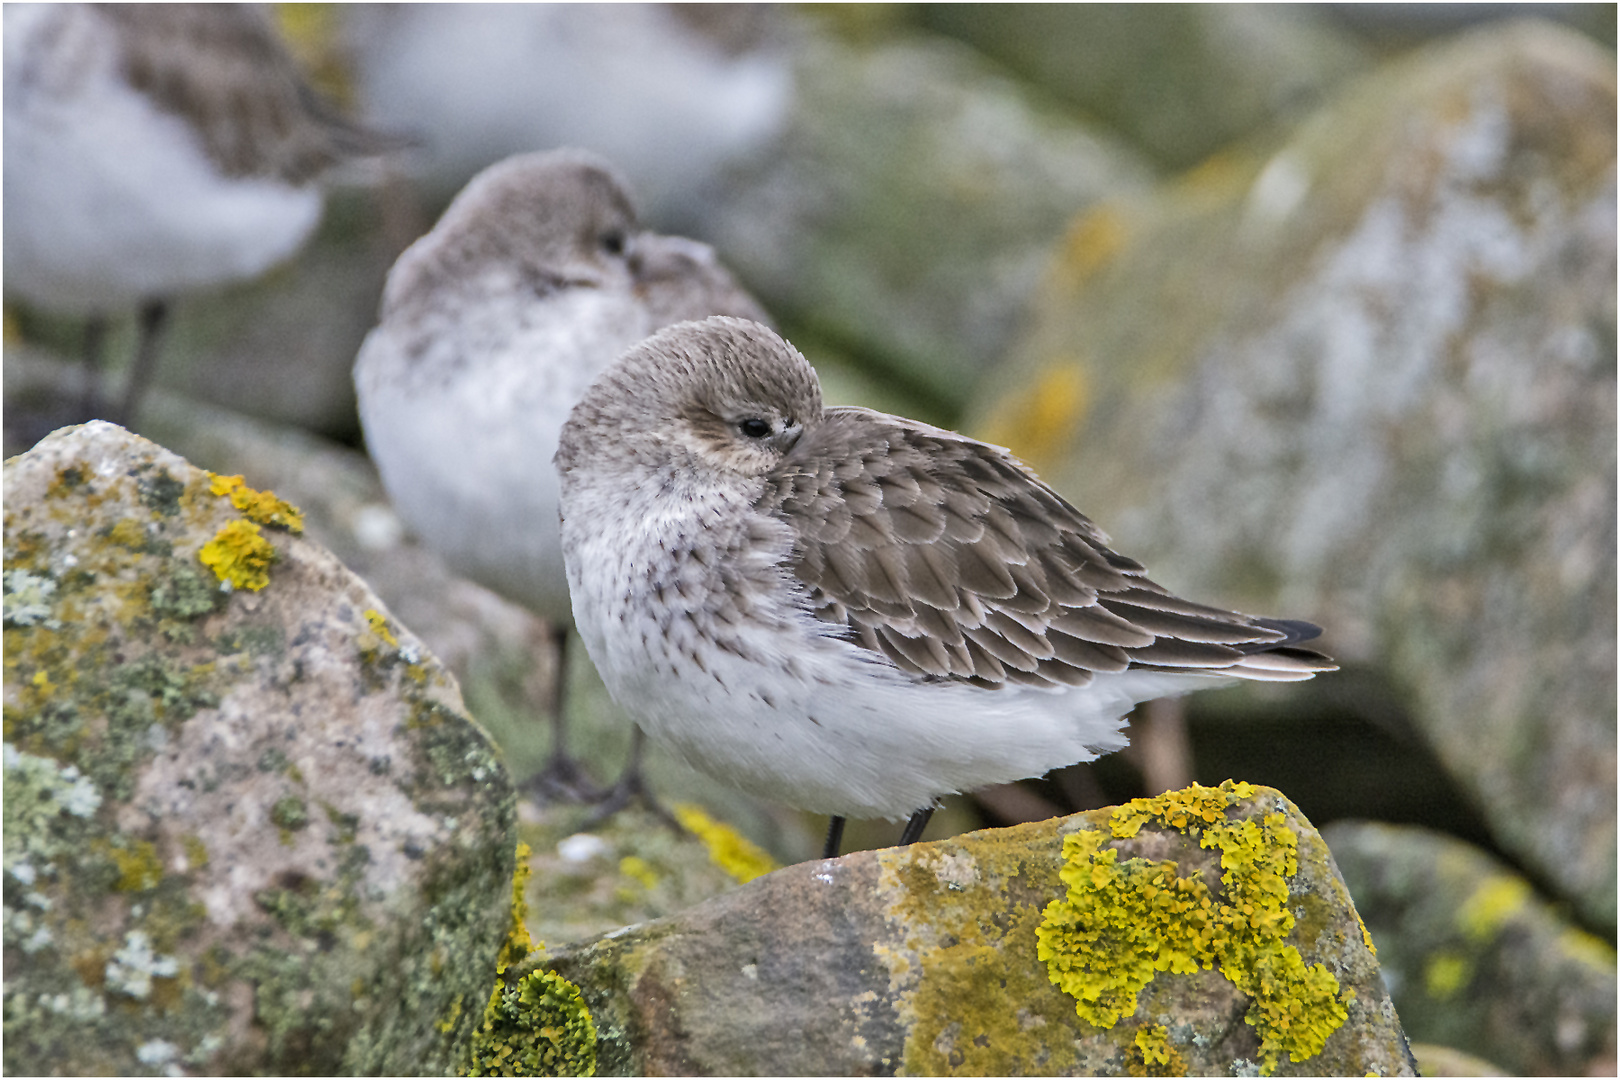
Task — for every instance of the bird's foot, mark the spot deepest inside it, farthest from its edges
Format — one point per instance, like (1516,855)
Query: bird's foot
(564,779)
(630,786)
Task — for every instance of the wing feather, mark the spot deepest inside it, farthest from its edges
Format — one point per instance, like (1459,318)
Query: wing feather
(956,562)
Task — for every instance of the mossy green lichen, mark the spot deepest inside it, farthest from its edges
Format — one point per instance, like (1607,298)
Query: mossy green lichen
(535,1024)
(108,598)
(1122,922)
(537,1027)
(728,849)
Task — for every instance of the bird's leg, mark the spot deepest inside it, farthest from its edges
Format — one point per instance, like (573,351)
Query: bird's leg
(95,337)
(562,777)
(631,785)
(1164,751)
(915,827)
(835,837)
(154,317)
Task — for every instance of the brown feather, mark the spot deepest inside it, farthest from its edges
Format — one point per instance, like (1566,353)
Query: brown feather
(955,561)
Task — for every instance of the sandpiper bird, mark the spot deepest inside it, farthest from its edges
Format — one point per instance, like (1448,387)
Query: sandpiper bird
(850,612)
(492,326)
(150,150)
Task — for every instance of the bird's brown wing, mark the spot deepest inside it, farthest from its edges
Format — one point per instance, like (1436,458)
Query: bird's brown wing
(956,562)
(224,69)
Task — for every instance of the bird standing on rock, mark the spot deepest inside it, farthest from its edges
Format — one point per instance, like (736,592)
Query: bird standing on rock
(850,612)
(492,326)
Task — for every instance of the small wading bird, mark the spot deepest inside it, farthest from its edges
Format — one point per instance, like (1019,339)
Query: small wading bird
(850,612)
(536,278)
(151,150)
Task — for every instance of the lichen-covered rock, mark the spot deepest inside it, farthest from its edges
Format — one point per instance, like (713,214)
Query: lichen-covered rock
(248,826)
(1474,959)
(910,206)
(1181,81)
(1203,931)
(1370,381)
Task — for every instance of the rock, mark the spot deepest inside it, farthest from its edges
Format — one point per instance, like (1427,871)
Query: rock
(1370,381)
(1436,1060)
(940,958)
(247,829)
(909,206)
(1180,81)
(1473,958)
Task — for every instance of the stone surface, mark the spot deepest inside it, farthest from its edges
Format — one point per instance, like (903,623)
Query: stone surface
(1474,959)
(246,830)
(1370,381)
(909,206)
(927,960)
(1180,81)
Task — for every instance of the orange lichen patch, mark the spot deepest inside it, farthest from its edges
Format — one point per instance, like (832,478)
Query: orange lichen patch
(260,506)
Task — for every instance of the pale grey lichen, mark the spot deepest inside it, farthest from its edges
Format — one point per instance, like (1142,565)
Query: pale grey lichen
(132,968)
(28,599)
(38,790)
(81,1003)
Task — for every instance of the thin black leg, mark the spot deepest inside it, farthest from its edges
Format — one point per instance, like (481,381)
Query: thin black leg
(835,837)
(631,785)
(562,777)
(154,316)
(915,827)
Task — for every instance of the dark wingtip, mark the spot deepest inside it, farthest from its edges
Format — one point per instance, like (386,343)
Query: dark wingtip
(1295,631)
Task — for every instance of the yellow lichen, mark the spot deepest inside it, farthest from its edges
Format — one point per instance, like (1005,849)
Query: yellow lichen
(639,870)
(196,851)
(240,555)
(138,867)
(379,626)
(1159,1058)
(1366,936)
(728,849)
(1091,241)
(1445,974)
(1038,422)
(260,506)
(1491,905)
(127,532)
(518,942)
(1121,923)
(538,1027)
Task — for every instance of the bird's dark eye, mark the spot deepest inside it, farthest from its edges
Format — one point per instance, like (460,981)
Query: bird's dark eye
(612,241)
(754,428)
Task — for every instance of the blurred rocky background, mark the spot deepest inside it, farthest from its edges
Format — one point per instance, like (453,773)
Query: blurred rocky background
(1312,308)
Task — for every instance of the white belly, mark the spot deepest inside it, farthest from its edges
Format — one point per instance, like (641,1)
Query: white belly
(109,201)
(465,444)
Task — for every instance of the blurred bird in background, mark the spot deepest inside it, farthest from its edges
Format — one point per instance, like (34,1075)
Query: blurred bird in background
(152,150)
(672,94)
(493,325)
